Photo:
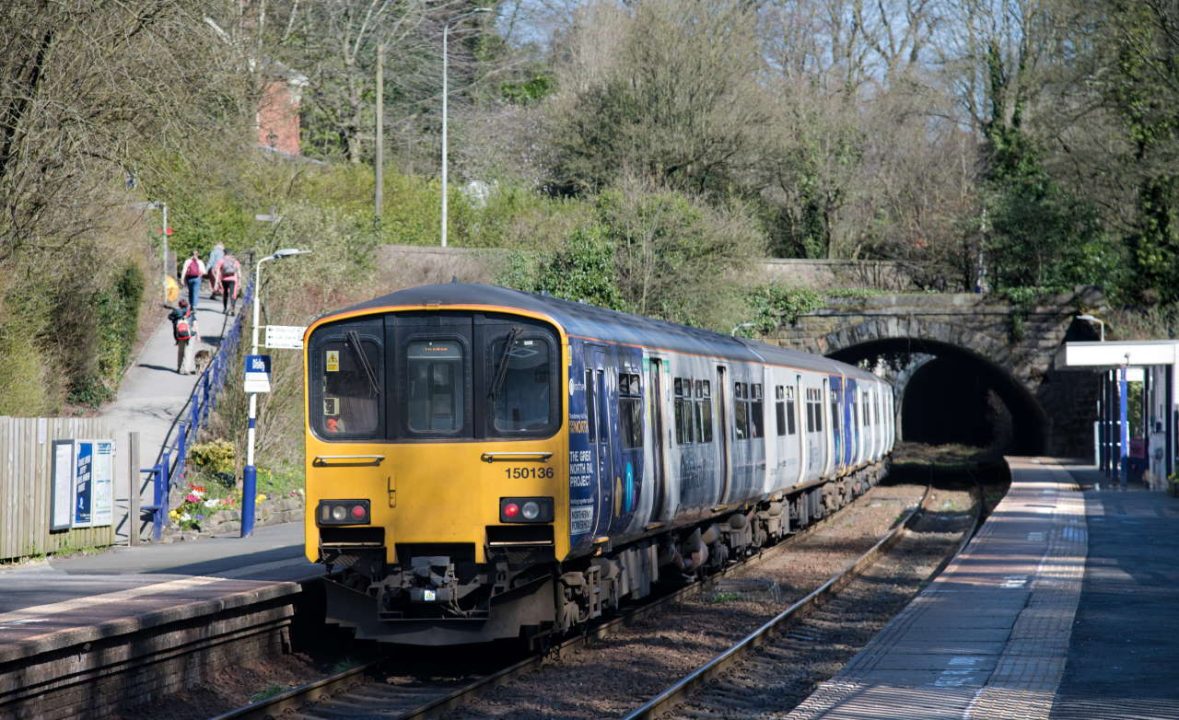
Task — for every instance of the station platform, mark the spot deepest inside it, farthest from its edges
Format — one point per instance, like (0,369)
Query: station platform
(88,636)
(1063,607)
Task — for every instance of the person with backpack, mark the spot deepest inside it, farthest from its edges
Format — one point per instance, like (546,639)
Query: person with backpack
(213,267)
(184,332)
(193,271)
(230,287)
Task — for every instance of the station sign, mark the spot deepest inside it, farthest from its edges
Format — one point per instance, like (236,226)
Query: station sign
(257,374)
(284,337)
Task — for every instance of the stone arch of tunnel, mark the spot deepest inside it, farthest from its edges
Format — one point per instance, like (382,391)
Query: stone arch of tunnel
(952,397)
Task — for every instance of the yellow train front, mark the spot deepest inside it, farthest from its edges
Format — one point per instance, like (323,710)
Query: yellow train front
(433,483)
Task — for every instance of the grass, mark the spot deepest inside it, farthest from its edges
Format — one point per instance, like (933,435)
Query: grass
(270,691)
(724,597)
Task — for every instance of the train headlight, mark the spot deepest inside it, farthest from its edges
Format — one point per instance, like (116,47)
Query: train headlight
(342,512)
(526,510)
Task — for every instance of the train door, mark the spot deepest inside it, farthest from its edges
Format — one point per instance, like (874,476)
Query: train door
(851,425)
(834,386)
(599,410)
(801,402)
(658,437)
(724,429)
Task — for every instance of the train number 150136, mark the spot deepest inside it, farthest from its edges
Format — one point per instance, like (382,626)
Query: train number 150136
(524,473)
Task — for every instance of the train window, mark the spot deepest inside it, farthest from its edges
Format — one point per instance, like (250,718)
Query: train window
(630,414)
(741,410)
(814,412)
(686,427)
(435,379)
(757,412)
(780,408)
(790,428)
(519,385)
(591,430)
(347,402)
(703,407)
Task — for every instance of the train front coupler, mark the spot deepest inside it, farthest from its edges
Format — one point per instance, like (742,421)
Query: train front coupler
(431,588)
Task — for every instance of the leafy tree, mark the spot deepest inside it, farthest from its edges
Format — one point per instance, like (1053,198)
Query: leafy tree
(651,252)
(1142,42)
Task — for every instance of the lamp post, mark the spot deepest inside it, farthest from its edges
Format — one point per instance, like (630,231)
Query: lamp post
(445,94)
(163,206)
(250,472)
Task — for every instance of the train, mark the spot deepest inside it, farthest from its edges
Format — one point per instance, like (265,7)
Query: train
(487,464)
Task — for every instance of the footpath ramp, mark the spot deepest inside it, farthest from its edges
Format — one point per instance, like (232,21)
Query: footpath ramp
(152,394)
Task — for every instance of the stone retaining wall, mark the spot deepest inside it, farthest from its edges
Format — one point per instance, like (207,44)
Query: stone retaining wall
(139,661)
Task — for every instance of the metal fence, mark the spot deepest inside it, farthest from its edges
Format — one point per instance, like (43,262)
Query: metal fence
(26,463)
(168,472)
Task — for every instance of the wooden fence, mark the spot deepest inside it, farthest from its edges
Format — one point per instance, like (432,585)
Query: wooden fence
(26,468)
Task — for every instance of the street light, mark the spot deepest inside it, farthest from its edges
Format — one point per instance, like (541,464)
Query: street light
(445,93)
(250,473)
(163,232)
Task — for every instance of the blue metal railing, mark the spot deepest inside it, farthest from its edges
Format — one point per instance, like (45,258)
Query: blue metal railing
(169,468)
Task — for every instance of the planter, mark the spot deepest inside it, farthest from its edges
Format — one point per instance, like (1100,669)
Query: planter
(1173,488)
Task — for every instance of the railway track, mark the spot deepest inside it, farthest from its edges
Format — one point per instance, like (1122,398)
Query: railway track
(770,669)
(369,688)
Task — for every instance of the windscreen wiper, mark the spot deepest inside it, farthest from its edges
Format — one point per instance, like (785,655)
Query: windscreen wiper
(354,340)
(501,369)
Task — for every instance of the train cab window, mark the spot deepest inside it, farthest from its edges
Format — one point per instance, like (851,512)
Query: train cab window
(347,400)
(519,384)
(703,411)
(435,386)
(630,413)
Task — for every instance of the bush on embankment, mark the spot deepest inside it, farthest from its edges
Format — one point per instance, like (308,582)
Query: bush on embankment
(68,324)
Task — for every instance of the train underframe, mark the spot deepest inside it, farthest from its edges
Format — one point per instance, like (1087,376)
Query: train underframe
(437,595)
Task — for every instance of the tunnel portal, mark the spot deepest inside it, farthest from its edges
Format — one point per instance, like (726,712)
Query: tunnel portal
(949,394)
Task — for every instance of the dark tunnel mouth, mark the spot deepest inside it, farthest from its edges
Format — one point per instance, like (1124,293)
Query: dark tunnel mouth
(1029,421)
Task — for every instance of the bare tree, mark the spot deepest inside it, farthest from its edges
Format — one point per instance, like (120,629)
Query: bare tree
(87,89)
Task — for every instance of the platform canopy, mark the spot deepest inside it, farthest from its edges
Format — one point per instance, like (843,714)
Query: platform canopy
(1132,353)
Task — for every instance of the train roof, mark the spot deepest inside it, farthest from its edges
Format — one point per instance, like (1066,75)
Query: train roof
(590,321)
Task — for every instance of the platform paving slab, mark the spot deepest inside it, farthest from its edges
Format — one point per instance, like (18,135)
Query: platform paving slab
(1014,586)
(1123,661)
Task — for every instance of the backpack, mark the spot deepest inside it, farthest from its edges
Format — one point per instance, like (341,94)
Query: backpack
(230,268)
(182,328)
(192,269)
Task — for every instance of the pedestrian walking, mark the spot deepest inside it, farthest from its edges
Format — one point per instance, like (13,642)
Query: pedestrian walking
(230,287)
(192,272)
(213,273)
(184,332)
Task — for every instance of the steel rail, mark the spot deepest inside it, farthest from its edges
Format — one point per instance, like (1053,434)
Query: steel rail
(664,701)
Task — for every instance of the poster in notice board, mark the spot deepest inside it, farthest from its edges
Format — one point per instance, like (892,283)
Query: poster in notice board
(93,483)
(60,501)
